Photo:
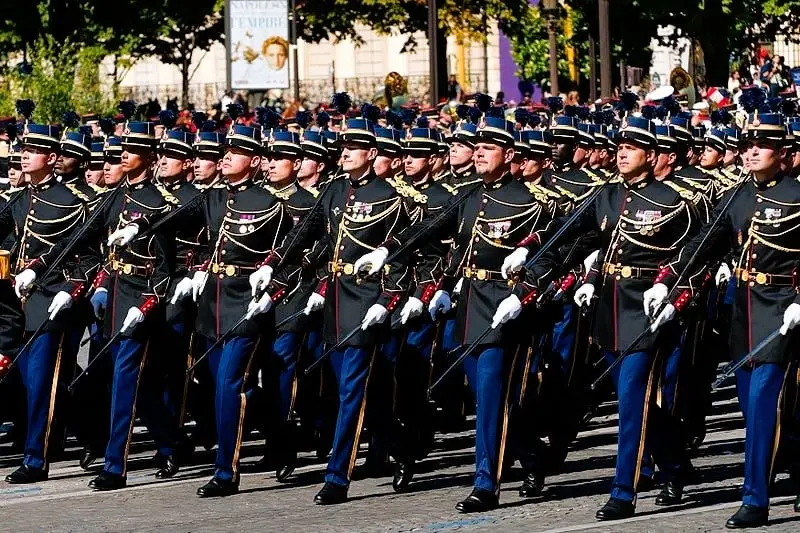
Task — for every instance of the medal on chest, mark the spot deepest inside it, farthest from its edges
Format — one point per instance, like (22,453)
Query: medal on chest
(245,223)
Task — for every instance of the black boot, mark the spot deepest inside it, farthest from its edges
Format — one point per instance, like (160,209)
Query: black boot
(532,486)
(748,516)
(26,474)
(87,458)
(331,494)
(167,466)
(286,468)
(403,473)
(670,494)
(478,501)
(217,488)
(616,509)
(108,481)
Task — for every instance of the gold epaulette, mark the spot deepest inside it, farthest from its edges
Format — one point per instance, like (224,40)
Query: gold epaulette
(77,193)
(168,197)
(685,193)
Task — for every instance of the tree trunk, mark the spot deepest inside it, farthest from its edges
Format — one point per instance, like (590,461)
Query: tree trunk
(185,65)
(714,43)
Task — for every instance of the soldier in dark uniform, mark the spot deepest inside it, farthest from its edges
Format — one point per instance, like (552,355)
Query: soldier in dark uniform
(648,221)
(244,221)
(284,156)
(47,214)
(208,152)
(358,212)
(315,160)
(766,261)
(73,158)
(389,162)
(413,433)
(175,165)
(494,216)
(137,279)
(94,170)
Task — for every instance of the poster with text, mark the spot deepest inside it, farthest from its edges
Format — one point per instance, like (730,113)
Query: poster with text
(259,44)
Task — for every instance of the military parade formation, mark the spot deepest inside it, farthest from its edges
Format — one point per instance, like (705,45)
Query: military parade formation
(361,275)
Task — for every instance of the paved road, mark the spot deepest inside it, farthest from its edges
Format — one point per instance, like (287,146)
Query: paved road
(65,503)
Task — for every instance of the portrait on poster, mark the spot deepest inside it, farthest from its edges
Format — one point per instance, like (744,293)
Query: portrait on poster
(259,44)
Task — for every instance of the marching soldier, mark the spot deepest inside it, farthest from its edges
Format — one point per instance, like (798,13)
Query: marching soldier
(493,216)
(135,280)
(175,165)
(753,225)
(284,159)
(208,152)
(462,149)
(94,171)
(47,213)
(647,221)
(357,212)
(244,222)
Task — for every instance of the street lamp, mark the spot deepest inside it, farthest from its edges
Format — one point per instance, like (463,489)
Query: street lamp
(550,10)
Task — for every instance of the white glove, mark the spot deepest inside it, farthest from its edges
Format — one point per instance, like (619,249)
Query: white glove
(440,303)
(23,281)
(791,317)
(412,308)
(261,306)
(723,274)
(584,294)
(62,300)
(513,261)
(457,286)
(315,302)
(134,317)
(509,309)
(666,315)
(199,280)
(589,261)
(123,236)
(260,279)
(653,298)
(182,290)
(375,315)
(375,259)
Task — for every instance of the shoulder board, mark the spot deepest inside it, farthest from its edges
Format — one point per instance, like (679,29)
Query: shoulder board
(685,193)
(77,193)
(168,197)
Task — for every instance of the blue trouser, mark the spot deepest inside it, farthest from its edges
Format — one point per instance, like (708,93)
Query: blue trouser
(231,365)
(759,389)
(564,333)
(488,372)
(41,367)
(381,393)
(91,397)
(634,379)
(129,357)
(172,365)
(413,380)
(449,341)
(351,366)
(279,385)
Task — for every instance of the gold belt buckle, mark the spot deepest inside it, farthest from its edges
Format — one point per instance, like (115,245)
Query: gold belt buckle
(761,278)
(230,270)
(482,274)
(745,275)
(5,264)
(347,268)
(626,272)
(127,269)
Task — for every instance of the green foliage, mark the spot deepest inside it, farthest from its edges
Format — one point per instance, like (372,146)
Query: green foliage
(64,78)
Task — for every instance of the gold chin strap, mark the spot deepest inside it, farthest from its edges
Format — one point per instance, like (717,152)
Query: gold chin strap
(5,264)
